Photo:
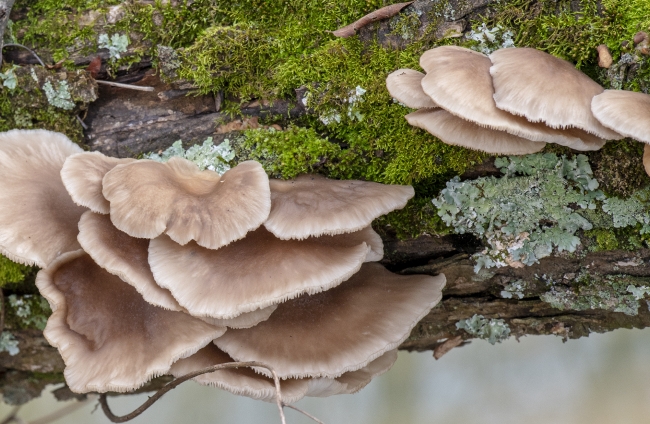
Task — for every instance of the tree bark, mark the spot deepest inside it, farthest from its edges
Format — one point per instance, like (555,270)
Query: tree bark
(126,123)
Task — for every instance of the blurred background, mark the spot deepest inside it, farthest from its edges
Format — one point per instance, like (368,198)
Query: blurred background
(604,378)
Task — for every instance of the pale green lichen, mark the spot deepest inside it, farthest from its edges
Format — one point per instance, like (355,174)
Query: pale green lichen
(492,330)
(8,78)
(630,211)
(205,156)
(526,214)
(8,343)
(617,293)
(116,44)
(486,40)
(28,311)
(514,289)
(60,97)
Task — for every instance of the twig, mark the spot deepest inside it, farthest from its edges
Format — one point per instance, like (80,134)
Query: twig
(120,85)
(62,412)
(26,48)
(12,415)
(83,124)
(173,384)
(295,408)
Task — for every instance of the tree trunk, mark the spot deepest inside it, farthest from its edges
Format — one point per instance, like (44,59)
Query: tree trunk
(566,295)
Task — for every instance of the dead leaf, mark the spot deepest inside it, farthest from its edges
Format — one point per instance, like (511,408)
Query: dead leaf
(377,15)
(57,65)
(445,347)
(94,67)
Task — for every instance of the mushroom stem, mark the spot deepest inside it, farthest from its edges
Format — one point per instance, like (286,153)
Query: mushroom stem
(176,382)
(305,413)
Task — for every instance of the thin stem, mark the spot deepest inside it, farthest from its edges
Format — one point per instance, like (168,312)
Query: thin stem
(120,85)
(295,408)
(26,48)
(173,384)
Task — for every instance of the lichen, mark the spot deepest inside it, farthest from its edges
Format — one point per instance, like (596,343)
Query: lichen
(116,44)
(205,156)
(27,311)
(59,97)
(492,330)
(8,343)
(529,212)
(617,293)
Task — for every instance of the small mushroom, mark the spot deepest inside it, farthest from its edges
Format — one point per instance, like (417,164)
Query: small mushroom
(304,336)
(38,220)
(109,337)
(238,381)
(404,85)
(82,175)
(150,198)
(459,81)
(124,256)
(604,56)
(459,132)
(353,381)
(276,270)
(312,205)
(543,88)
(626,112)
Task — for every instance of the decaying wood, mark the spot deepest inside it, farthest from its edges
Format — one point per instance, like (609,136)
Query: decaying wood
(377,15)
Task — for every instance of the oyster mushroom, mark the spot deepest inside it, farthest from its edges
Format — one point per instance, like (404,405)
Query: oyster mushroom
(38,220)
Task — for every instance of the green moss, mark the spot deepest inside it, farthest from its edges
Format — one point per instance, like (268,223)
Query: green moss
(618,167)
(416,218)
(11,272)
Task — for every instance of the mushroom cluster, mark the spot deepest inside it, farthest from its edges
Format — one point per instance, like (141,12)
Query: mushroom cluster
(511,102)
(159,268)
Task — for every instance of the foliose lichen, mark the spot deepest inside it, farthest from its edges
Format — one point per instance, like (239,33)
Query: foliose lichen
(116,44)
(617,293)
(8,343)
(59,97)
(528,213)
(205,156)
(27,311)
(492,330)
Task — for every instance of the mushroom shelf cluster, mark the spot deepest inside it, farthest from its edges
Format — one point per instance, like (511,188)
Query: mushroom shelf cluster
(514,101)
(159,268)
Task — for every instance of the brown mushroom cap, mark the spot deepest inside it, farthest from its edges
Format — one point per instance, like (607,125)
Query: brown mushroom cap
(626,112)
(239,381)
(459,81)
(541,87)
(255,272)
(245,320)
(150,198)
(38,220)
(353,381)
(108,336)
(312,205)
(404,86)
(458,132)
(82,175)
(339,330)
(124,256)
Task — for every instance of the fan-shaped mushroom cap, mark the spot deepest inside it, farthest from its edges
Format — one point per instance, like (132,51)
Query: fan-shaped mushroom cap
(108,336)
(312,205)
(626,112)
(239,381)
(366,235)
(38,220)
(150,198)
(459,81)
(458,132)
(255,272)
(542,87)
(339,330)
(82,175)
(245,320)
(124,256)
(353,381)
(404,86)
